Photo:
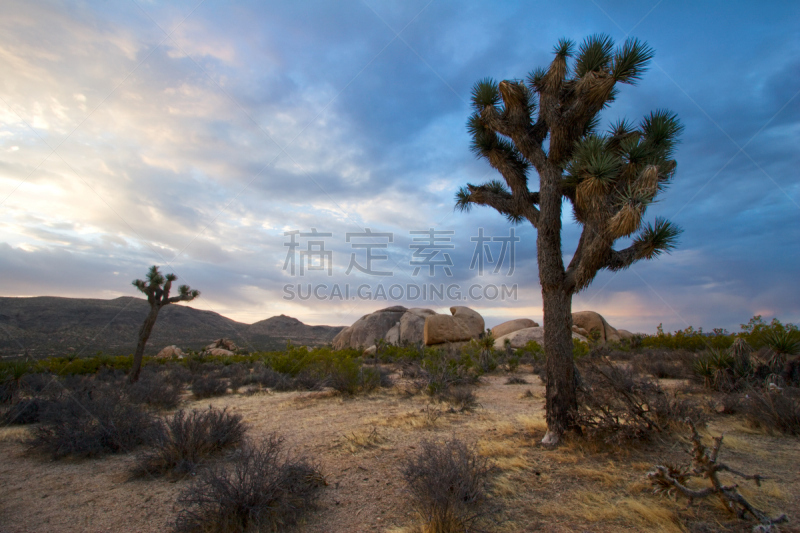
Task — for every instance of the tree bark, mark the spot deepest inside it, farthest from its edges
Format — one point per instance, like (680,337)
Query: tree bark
(562,404)
(562,401)
(144,334)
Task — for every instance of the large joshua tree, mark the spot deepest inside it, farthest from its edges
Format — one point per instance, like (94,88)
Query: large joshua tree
(157,288)
(549,126)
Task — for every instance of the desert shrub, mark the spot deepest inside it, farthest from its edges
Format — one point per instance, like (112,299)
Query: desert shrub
(444,370)
(757,333)
(114,375)
(663,364)
(359,379)
(267,377)
(579,349)
(25,411)
(724,370)
(777,410)
(616,405)
(91,422)
(689,339)
(39,383)
(262,489)
(11,375)
(446,483)
(532,351)
(306,380)
(209,386)
(154,390)
(461,398)
(512,362)
(236,374)
(177,375)
(184,440)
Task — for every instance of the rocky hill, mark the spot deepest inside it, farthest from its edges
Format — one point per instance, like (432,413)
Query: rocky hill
(48,325)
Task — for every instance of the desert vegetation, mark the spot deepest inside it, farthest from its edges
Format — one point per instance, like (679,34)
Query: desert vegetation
(418,438)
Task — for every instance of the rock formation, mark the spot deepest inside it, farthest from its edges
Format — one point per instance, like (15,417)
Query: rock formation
(171,351)
(521,337)
(513,325)
(224,344)
(398,325)
(591,321)
(369,329)
(464,325)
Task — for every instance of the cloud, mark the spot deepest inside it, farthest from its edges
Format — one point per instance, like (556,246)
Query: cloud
(198,150)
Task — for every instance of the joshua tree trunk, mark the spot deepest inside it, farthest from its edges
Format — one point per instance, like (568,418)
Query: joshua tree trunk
(144,334)
(562,402)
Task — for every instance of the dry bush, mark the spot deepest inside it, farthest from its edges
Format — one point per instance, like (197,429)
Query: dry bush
(25,411)
(91,422)
(184,440)
(727,404)
(261,489)
(154,390)
(305,380)
(446,483)
(237,375)
(209,386)
(615,404)
(777,410)
(40,383)
(461,398)
(177,375)
(267,377)
(664,364)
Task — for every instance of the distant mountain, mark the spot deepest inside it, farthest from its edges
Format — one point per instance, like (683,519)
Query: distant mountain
(48,325)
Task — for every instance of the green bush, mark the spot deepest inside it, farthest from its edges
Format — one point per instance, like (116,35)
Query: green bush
(758,333)
(532,349)
(690,339)
(579,349)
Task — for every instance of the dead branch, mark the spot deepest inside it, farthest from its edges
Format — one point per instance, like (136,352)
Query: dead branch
(705,464)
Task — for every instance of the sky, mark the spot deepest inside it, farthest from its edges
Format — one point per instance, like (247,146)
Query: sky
(213,138)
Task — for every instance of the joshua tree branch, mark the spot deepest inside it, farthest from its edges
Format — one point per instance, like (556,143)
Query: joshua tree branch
(505,203)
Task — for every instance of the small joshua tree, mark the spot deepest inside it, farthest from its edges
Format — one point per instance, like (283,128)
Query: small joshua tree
(157,289)
(609,178)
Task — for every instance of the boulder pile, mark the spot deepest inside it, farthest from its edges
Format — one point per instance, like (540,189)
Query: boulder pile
(399,325)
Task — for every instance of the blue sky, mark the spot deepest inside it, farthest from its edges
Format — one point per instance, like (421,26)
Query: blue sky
(193,135)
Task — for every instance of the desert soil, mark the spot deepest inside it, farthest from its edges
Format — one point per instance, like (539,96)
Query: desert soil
(360,443)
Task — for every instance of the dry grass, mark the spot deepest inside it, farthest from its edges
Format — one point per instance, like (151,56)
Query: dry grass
(361,442)
(358,440)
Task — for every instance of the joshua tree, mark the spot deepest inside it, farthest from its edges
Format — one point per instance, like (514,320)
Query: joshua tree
(609,179)
(157,289)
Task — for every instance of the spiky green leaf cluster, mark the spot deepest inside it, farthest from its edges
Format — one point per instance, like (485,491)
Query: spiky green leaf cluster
(485,93)
(655,239)
(463,199)
(630,61)
(594,54)
(661,130)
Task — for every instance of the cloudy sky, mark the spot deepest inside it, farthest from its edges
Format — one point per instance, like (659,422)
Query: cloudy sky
(195,135)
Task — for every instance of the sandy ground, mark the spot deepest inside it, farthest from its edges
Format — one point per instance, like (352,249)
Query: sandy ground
(359,443)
